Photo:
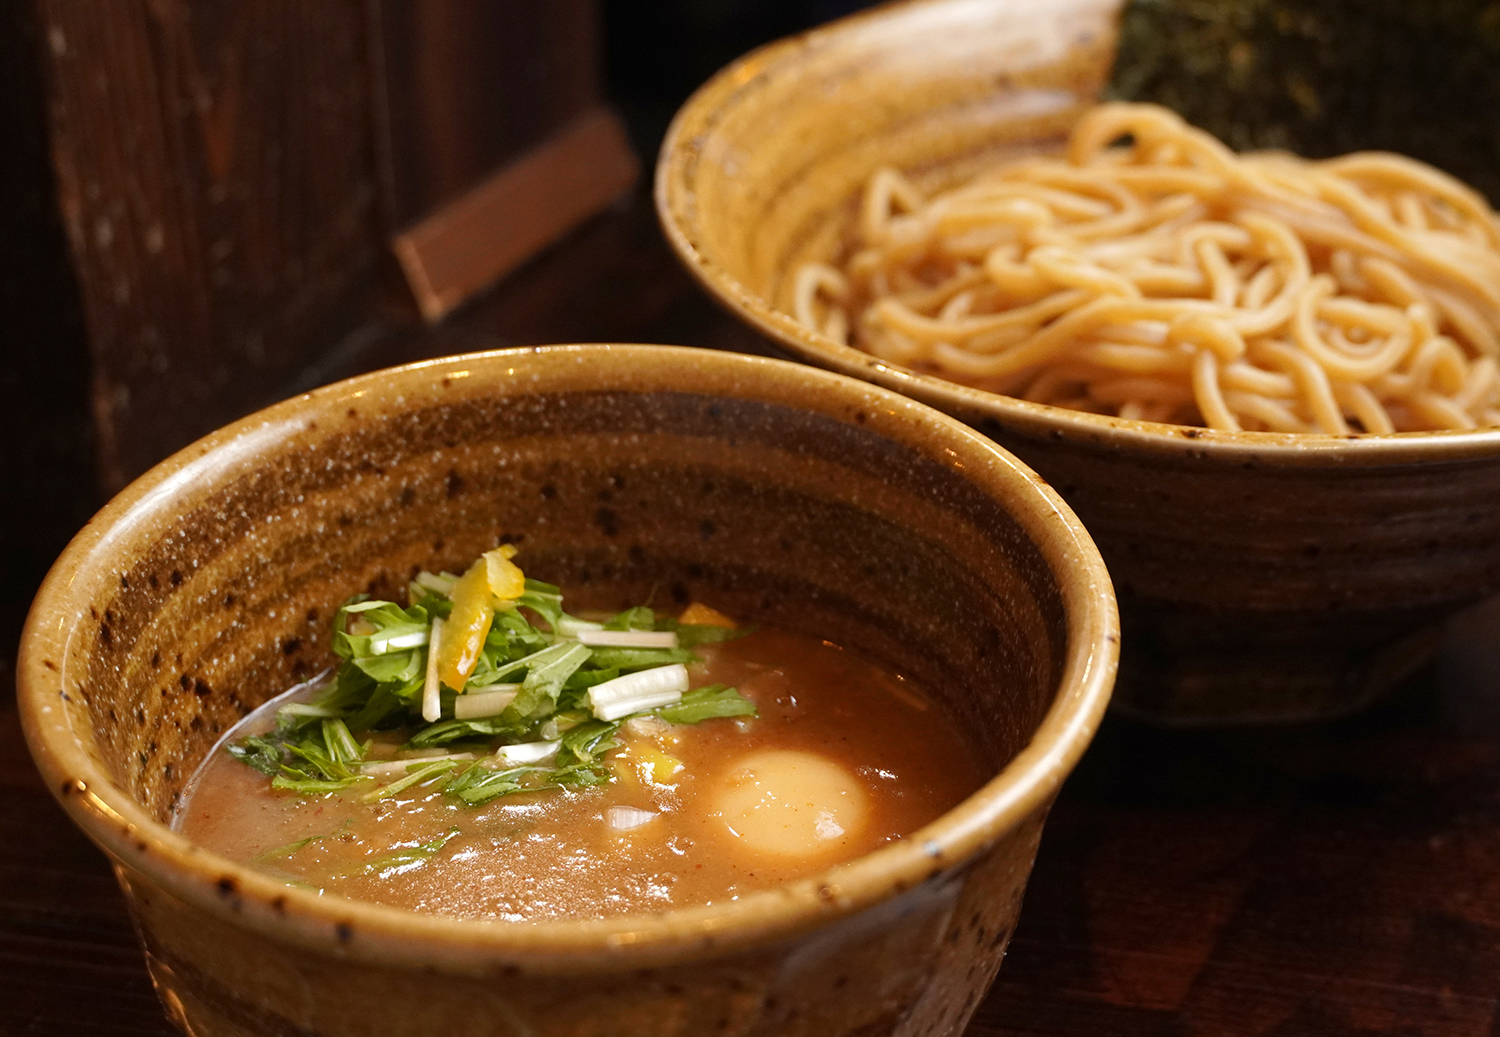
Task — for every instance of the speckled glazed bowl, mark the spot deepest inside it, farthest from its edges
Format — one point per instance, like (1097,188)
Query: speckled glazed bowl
(1262,577)
(779,492)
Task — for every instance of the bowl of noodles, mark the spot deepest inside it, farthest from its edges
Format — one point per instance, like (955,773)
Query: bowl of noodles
(1267,384)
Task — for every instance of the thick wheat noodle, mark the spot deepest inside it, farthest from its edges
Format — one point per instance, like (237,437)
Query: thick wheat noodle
(1419,177)
(1208,395)
(1312,381)
(1483,375)
(931,329)
(1133,357)
(1252,379)
(1359,401)
(1154,274)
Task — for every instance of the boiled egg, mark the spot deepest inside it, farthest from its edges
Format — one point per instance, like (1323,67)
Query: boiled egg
(790,803)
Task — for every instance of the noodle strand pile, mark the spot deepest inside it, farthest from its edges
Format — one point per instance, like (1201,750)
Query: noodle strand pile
(1168,279)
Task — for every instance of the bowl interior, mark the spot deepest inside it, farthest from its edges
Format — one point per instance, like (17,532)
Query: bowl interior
(777,493)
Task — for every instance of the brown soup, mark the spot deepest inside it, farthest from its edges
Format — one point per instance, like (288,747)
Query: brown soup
(842,759)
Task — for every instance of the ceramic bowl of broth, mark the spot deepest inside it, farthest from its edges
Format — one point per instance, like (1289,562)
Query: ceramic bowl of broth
(1262,576)
(820,510)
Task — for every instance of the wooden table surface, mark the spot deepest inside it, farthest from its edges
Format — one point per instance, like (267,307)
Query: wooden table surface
(1341,878)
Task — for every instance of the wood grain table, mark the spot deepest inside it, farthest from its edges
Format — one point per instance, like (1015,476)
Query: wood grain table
(1340,878)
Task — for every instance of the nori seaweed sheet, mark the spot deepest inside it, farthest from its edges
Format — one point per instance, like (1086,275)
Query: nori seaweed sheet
(1324,77)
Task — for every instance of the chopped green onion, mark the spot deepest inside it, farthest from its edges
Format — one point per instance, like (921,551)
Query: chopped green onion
(570,626)
(419,773)
(526,752)
(437,584)
(488,689)
(404,766)
(432,701)
(623,819)
(628,638)
(638,692)
(626,659)
(307,709)
(380,644)
(490,702)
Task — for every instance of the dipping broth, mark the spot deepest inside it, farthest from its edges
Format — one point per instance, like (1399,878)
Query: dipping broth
(841,759)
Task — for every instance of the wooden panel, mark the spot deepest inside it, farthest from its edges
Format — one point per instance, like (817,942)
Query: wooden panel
(216,177)
(470,84)
(487,232)
(492,138)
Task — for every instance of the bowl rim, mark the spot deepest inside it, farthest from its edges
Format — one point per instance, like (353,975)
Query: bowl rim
(677,211)
(394,936)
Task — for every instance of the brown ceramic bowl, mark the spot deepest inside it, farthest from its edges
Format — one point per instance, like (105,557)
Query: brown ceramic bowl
(779,492)
(1261,576)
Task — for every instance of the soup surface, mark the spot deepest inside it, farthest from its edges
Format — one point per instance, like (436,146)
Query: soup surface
(841,759)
